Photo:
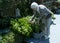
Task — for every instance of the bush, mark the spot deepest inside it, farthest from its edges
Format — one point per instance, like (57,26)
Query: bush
(8,7)
(8,38)
(24,6)
(11,37)
(25,28)
(37,28)
(22,26)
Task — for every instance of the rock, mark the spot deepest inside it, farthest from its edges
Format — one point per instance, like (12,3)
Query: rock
(18,13)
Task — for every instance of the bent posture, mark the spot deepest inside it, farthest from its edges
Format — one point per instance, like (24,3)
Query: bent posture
(43,13)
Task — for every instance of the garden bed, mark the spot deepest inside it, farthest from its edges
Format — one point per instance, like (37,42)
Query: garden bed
(21,29)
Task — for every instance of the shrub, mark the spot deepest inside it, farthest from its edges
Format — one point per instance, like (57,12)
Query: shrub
(8,38)
(11,37)
(37,28)
(8,7)
(22,26)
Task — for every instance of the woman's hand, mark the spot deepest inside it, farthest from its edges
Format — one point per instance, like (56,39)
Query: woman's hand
(31,22)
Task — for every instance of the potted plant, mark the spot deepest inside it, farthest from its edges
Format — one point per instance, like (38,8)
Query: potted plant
(37,29)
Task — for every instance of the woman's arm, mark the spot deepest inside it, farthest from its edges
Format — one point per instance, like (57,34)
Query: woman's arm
(34,14)
(51,13)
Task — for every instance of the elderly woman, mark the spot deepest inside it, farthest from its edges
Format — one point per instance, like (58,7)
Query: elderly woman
(43,13)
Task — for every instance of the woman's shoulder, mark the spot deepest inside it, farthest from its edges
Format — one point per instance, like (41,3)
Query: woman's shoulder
(42,6)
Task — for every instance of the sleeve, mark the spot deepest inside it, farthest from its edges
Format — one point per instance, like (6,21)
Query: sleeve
(49,11)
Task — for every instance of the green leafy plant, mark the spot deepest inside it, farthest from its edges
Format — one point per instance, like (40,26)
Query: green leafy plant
(37,28)
(8,38)
(22,26)
(11,37)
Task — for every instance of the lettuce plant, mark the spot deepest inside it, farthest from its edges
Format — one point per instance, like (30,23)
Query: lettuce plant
(22,26)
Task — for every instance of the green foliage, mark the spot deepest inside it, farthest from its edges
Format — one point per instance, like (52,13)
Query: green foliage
(38,27)
(11,37)
(22,26)
(8,38)
(25,7)
(58,1)
(8,7)
(25,28)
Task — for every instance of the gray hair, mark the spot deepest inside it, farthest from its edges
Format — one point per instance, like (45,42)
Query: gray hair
(34,6)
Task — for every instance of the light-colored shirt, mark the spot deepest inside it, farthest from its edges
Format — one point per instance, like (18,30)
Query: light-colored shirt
(43,10)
